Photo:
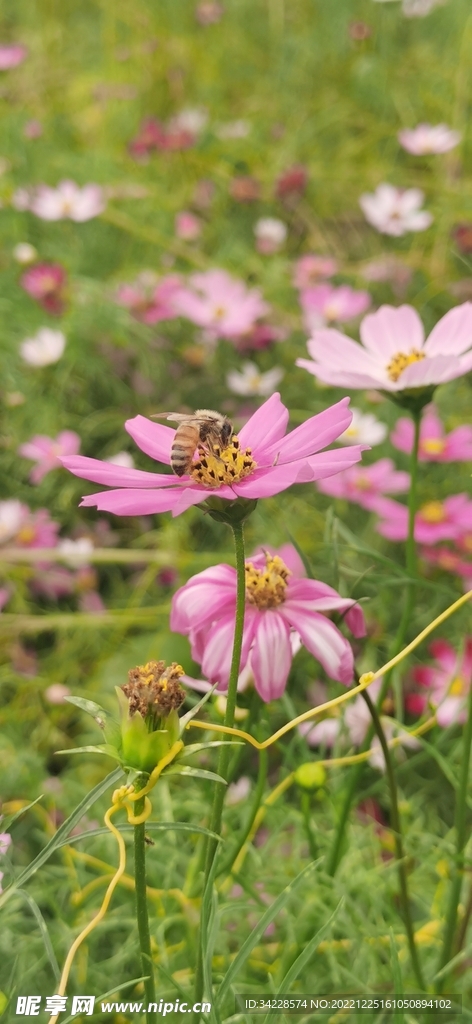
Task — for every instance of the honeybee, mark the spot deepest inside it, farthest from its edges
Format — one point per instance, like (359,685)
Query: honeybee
(205,427)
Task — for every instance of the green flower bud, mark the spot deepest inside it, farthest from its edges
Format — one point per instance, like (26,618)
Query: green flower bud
(310,776)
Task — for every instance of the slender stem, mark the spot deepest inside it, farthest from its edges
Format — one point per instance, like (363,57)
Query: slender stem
(306,811)
(397,833)
(256,803)
(142,910)
(225,752)
(398,643)
(460,825)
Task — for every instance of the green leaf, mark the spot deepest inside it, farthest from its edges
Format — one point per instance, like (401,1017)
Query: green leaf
(89,706)
(103,748)
(151,826)
(44,932)
(258,931)
(196,773)
(7,820)
(396,976)
(196,708)
(307,953)
(194,748)
(63,831)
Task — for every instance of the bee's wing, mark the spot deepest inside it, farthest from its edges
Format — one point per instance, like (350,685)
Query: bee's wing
(177,417)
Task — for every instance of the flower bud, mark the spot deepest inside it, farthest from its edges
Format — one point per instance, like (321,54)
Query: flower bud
(310,776)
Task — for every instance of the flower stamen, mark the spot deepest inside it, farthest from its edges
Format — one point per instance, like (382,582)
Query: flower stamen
(401,360)
(433,512)
(265,588)
(222,465)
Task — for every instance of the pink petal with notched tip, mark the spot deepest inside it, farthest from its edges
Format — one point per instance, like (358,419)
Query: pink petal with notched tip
(271,656)
(324,641)
(154,439)
(320,598)
(314,434)
(437,370)
(337,377)
(453,334)
(114,476)
(266,426)
(216,661)
(391,330)
(211,592)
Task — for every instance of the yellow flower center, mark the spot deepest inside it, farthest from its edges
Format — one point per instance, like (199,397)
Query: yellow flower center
(457,687)
(351,432)
(433,512)
(363,483)
(222,466)
(265,588)
(26,534)
(433,445)
(400,362)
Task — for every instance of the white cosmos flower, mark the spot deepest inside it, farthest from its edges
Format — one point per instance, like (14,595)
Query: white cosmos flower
(12,516)
(25,253)
(45,348)
(365,428)
(233,130)
(192,120)
(76,552)
(270,234)
(429,138)
(67,201)
(394,211)
(250,381)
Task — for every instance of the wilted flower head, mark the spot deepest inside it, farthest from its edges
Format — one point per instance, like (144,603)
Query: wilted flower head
(428,138)
(292,183)
(394,355)
(149,702)
(44,348)
(245,189)
(394,211)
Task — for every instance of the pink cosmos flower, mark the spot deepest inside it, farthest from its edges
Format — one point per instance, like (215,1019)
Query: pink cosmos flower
(67,201)
(278,600)
(209,12)
(364,484)
(259,337)
(45,282)
(187,226)
(291,184)
(11,56)
(220,304)
(275,462)
(428,138)
(310,269)
(394,211)
(450,560)
(448,682)
(435,521)
(25,528)
(394,355)
(435,445)
(33,129)
(150,300)
(45,451)
(325,303)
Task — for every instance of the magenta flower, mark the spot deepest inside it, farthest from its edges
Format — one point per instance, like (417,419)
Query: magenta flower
(46,451)
(310,269)
(46,282)
(364,484)
(278,600)
(219,303)
(435,445)
(325,304)
(11,56)
(149,300)
(435,521)
(429,138)
(394,355)
(273,462)
(187,226)
(448,682)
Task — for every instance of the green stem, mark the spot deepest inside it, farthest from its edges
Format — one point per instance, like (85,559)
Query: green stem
(460,825)
(306,812)
(397,834)
(142,910)
(398,643)
(225,751)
